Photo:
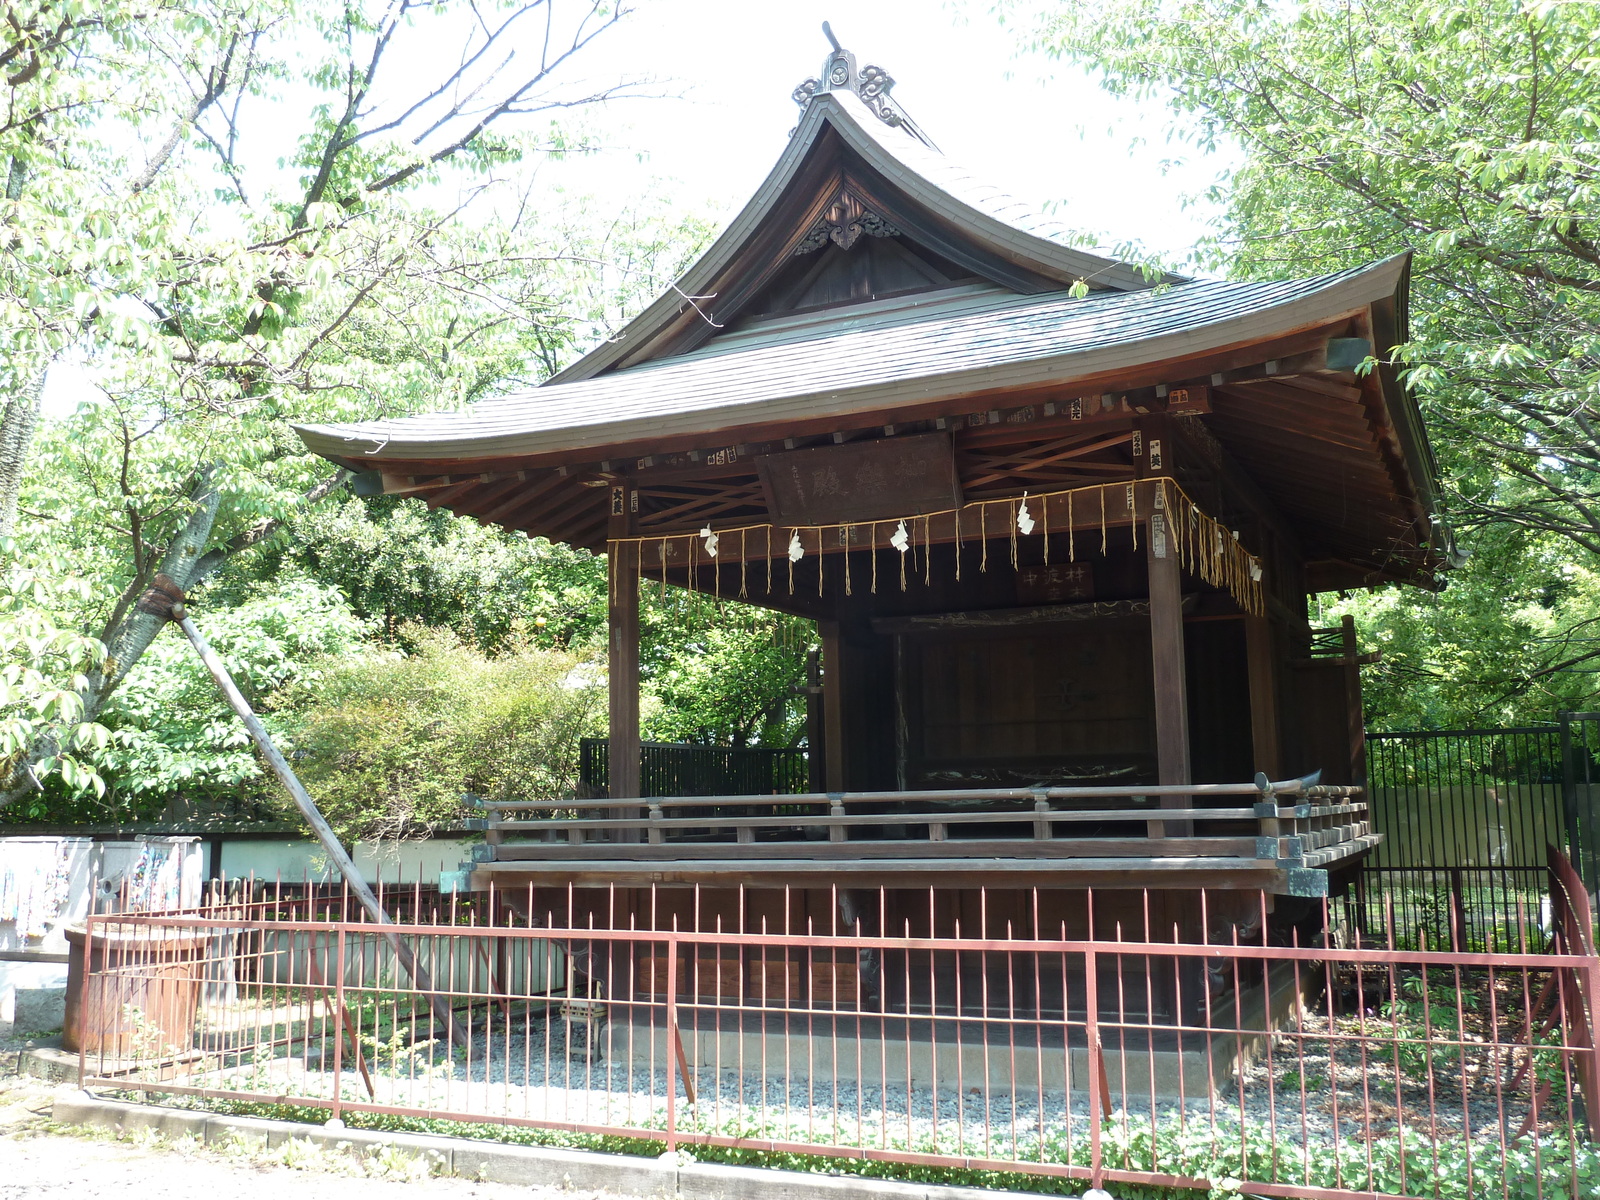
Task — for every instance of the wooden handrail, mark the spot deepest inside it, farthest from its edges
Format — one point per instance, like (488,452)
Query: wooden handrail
(1291,787)
(1286,826)
(1028,816)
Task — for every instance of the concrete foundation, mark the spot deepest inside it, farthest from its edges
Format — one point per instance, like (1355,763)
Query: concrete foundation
(669,1177)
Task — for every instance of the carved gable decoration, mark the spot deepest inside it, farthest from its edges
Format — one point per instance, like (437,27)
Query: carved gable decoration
(845,221)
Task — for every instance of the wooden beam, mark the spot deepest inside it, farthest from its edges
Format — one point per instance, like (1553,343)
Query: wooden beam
(622,563)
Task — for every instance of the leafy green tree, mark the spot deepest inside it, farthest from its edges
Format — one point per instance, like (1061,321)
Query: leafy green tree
(42,666)
(218,299)
(1465,129)
(408,568)
(173,735)
(712,672)
(1513,639)
(725,674)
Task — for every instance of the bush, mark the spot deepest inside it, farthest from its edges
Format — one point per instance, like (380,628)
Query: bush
(391,742)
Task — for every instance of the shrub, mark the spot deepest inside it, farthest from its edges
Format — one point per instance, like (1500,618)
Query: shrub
(391,742)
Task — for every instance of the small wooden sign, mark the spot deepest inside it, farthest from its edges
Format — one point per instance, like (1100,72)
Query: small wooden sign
(861,481)
(1192,398)
(1059,583)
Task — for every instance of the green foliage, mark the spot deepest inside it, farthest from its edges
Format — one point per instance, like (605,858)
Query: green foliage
(404,566)
(400,258)
(389,742)
(1512,640)
(1229,1155)
(176,735)
(41,663)
(1463,129)
(725,674)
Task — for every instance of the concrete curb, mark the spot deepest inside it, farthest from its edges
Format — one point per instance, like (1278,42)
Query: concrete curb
(530,1166)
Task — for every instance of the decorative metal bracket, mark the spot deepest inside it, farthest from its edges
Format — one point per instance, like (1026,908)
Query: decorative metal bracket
(871,84)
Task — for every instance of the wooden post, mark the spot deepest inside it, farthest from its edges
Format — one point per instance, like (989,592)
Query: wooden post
(1263,672)
(1356,718)
(623,568)
(832,707)
(1167,666)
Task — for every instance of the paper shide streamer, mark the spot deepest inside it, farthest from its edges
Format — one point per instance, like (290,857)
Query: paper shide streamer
(1202,544)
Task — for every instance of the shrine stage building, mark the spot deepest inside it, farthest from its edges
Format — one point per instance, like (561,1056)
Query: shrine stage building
(1056,519)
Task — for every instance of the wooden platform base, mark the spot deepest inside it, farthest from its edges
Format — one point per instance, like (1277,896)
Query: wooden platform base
(1156,873)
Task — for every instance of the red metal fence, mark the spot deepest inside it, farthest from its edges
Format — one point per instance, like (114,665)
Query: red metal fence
(1293,1069)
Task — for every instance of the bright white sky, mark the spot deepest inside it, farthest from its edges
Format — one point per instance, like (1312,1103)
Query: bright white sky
(725,69)
(1035,127)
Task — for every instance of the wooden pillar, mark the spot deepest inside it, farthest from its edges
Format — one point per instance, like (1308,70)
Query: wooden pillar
(832,707)
(623,620)
(1166,657)
(1263,672)
(1355,717)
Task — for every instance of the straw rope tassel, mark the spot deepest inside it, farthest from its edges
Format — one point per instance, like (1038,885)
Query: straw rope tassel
(1102,521)
(874,539)
(844,540)
(769,560)
(1014,513)
(744,564)
(1072,537)
(958,545)
(821,558)
(927,552)
(983,535)
(1133,512)
(1045,515)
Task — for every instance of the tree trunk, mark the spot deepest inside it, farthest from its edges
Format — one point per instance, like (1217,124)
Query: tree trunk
(132,634)
(16,437)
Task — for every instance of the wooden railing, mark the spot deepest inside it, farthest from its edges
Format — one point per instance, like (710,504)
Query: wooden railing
(1291,825)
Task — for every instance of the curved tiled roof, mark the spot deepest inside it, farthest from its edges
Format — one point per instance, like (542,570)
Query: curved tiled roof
(868,357)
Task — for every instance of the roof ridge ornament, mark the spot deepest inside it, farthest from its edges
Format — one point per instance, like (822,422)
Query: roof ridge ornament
(871,84)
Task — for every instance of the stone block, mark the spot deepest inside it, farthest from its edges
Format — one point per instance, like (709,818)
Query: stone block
(540,1166)
(84,1109)
(39,1009)
(715,1181)
(252,1132)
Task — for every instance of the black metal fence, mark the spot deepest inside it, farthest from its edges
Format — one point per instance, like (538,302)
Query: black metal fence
(1467,814)
(675,769)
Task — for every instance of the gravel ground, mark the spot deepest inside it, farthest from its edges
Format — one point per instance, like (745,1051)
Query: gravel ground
(529,1076)
(41,1162)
